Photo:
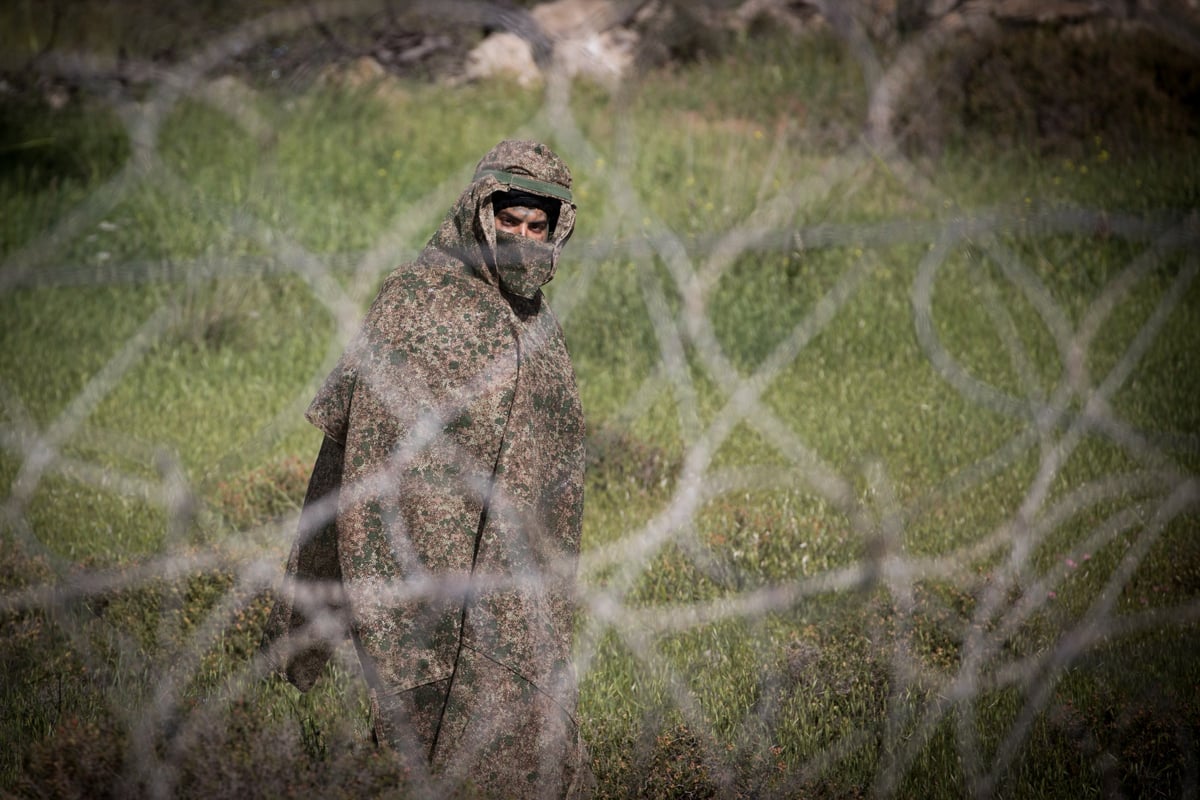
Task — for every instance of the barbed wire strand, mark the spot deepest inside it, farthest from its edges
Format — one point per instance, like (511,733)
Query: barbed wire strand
(676,302)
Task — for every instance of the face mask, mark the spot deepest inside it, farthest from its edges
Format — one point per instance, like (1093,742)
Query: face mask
(524,265)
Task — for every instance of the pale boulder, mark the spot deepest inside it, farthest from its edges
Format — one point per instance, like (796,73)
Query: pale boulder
(504,55)
(587,38)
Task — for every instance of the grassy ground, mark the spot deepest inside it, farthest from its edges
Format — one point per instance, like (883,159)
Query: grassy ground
(1047,655)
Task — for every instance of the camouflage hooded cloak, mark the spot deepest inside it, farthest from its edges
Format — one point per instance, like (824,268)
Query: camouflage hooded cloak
(443,516)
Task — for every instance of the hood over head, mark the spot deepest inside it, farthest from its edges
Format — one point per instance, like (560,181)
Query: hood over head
(468,232)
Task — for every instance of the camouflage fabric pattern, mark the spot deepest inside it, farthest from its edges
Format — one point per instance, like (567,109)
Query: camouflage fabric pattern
(453,457)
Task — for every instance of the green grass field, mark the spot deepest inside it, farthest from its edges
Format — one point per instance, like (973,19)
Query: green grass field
(893,494)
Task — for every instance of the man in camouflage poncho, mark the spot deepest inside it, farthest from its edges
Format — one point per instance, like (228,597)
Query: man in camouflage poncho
(443,516)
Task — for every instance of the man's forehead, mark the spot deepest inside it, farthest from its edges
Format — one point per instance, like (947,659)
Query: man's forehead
(524,212)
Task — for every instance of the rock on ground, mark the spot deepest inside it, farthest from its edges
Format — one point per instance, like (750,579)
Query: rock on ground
(587,44)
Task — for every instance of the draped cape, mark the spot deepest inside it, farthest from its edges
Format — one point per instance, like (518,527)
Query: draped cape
(442,522)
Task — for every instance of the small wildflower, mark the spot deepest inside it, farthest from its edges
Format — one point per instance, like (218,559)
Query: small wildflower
(1051,595)
(1071,563)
